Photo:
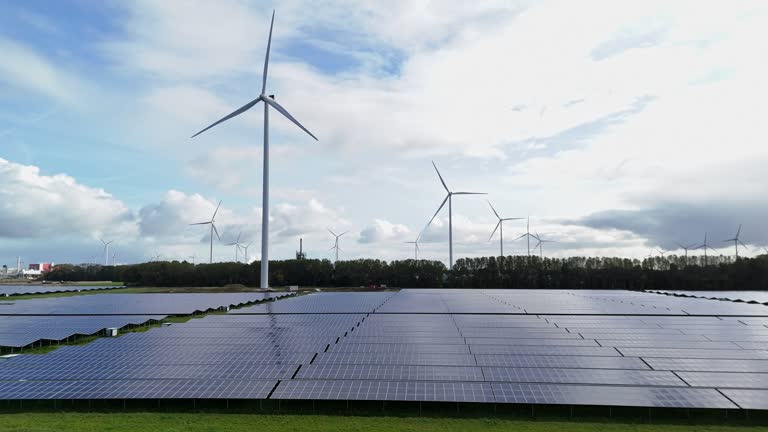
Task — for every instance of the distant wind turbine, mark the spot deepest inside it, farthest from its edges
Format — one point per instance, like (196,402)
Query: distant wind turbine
(500,227)
(269,101)
(245,249)
(106,250)
(449,198)
(415,244)
(237,245)
(686,248)
(212,223)
(705,246)
(336,242)
(541,243)
(661,252)
(736,240)
(193,259)
(528,235)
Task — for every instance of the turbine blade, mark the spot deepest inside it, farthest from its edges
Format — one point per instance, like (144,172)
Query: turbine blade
(215,211)
(738,232)
(511,219)
(200,223)
(288,115)
(470,193)
(438,211)
(216,231)
(266,58)
(441,177)
(742,243)
(494,210)
(521,236)
(333,233)
(494,230)
(236,113)
(343,233)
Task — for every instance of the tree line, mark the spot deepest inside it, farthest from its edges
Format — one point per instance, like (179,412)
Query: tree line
(660,273)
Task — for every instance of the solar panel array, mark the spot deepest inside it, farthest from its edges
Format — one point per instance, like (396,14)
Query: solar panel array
(734,296)
(612,348)
(13,290)
(31,321)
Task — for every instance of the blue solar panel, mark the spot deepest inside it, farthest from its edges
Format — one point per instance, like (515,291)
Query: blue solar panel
(384,390)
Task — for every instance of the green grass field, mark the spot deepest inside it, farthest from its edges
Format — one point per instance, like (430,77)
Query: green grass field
(206,422)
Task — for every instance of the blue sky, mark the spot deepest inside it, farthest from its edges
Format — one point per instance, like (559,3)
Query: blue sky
(616,128)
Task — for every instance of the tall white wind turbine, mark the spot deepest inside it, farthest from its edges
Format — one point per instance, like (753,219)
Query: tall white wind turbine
(237,246)
(415,244)
(705,246)
(449,198)
(212,223)
(269,101)
(500,227)
(336,242)
(686,248)
(736,240)
(245,250)
(528,235)
(106,250)
(540,244)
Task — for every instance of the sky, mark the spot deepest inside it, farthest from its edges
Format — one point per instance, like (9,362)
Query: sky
(616,127)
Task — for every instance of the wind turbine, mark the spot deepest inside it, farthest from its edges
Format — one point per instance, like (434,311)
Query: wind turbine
(268,101)
(736,240)
(705,246)
(336,243)
(106,250)
(528,235)
(500,227)
(449,198)
(237,245)
(415,244)
(213,228)
(193,259)
(114,257)
(541,243)
(685,248)
(661,252)
(245,249)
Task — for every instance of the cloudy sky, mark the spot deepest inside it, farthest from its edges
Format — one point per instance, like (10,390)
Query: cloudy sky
(616,126)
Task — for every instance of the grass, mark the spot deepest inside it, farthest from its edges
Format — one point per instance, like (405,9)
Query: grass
(205,422)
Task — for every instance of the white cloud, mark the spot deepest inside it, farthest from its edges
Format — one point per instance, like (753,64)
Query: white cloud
(383,231)
(38,206)
(21,66)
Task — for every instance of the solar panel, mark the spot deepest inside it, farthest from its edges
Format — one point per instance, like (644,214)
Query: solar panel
(582,376)
(391,372)
(693,353)
(725,379)
(545,350)
(708,365)
(135,389)
(384,390)
(587,362)
(389,358)
(670,397)
(748,399)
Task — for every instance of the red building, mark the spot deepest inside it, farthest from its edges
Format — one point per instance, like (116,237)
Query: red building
(43,267)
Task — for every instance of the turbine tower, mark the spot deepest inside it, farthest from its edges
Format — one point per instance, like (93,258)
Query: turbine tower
(212,223)
(336,243)
(106,250)
(269,101)
(528,235)
(705,246)
(685,248)
(500,227)
(245,249)
(415,244)
(541,243)
(449,198)
(736,240)
(237,245)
